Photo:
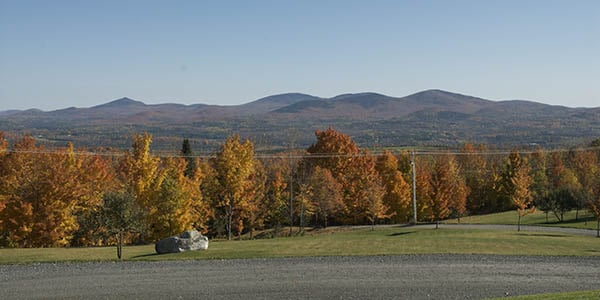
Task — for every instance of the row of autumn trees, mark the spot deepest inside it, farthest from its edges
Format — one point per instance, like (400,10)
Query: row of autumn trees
(66,197)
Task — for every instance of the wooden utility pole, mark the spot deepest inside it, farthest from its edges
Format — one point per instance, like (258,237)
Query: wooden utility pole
(414,187)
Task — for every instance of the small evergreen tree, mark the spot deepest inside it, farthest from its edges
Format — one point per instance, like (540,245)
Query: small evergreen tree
(188,154)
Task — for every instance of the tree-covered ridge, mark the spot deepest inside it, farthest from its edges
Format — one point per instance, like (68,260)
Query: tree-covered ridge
(428,118)
(70,197)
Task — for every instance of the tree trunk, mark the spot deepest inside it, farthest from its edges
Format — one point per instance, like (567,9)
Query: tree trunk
(302,216)
(291,218)
(546,217)
(598,228)
(437,224)
(230,220)
(291,199)
(519,223)
(562,216)
(120,245)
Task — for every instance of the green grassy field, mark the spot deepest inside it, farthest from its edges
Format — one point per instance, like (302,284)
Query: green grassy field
(382,241)
(585,219)
(582,295)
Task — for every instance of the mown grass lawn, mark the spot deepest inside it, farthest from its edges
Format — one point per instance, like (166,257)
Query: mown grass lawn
(381,241)
(585,220)
(581,295)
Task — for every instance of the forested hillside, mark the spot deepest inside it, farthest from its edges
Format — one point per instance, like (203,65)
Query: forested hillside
(69,196)
(428,118)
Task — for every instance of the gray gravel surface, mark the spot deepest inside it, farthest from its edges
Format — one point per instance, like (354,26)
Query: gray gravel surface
(375,277)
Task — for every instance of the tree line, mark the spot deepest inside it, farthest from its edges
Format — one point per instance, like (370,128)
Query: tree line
(75,198)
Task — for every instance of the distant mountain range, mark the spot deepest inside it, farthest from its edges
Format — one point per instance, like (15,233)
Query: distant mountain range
(428,118)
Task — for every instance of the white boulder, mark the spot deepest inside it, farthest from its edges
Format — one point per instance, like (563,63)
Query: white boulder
(190,240)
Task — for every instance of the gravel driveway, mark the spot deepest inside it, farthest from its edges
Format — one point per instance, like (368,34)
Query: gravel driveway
(376,277)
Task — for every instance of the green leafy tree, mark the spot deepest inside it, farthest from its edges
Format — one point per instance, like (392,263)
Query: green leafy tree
(539,181)
(562,201)
(586,169)
(120,215)
(173,200)
(594,206)
(565,189)
(545,204)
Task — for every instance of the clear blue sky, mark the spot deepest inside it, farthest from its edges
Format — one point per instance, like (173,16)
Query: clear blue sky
(57,54)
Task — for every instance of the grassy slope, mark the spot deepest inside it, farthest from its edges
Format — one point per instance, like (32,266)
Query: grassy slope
(382,241)
(585,219)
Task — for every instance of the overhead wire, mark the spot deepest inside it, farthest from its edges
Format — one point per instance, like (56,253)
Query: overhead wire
(311,155)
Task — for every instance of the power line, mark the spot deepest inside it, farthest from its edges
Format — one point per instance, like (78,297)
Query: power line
(307,155)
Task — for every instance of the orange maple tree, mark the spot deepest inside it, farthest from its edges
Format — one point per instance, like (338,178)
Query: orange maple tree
(44,190)
(397,196)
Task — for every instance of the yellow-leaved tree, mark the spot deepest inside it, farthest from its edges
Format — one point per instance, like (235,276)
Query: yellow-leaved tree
(234,165)
(167,191)
(138,173)
(257,207)
(174,200)
(3,197)
(458,187)
(521,195)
